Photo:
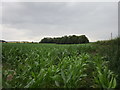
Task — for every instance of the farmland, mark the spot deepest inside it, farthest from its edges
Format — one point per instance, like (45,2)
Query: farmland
(29,65)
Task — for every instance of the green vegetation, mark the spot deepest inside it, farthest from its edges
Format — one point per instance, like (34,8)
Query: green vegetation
(93,65)
(110,49)
(66,40)
(0,65)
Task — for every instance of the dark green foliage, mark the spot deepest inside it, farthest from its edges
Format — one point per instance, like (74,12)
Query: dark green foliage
(66,40)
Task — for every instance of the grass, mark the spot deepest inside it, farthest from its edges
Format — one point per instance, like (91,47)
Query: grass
(58,66)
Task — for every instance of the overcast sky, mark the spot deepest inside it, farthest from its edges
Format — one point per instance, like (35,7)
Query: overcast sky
(32,21)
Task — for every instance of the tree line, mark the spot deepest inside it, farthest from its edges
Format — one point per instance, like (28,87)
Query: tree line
(3,41)
(72,39)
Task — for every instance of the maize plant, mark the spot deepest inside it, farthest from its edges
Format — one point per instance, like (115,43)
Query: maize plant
(104,77)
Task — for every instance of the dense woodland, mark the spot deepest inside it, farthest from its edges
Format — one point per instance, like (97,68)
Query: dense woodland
(66,40)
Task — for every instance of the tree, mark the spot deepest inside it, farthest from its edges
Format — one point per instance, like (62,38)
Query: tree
(66,40)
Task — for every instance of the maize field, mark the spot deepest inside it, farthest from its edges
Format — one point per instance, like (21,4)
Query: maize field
(32,65)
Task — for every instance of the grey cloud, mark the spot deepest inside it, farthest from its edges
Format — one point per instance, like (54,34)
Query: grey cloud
(96,20)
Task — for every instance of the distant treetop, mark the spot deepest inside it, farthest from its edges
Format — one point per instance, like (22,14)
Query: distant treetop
(72,39)
(2,41)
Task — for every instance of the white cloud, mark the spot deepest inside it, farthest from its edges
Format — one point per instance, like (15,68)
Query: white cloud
(60,0)
(1,31)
